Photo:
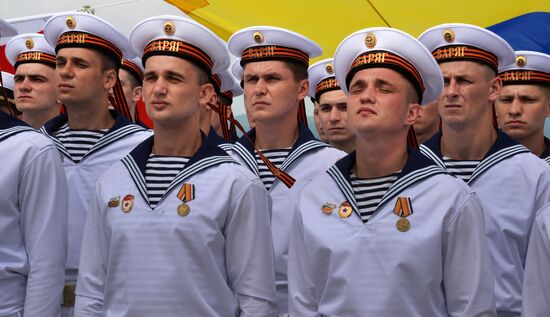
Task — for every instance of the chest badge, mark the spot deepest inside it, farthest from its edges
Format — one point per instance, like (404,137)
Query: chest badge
(345,210)
(403,209)
(127,203)
(185,194)
(114,202)
(327,208)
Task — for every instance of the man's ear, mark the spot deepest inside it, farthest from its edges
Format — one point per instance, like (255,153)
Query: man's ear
(413,114)
(495,87)
(304,89)
(137,93)
(110,77)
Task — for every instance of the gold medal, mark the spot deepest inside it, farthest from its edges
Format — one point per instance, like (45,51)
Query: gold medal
(113,202)
(327,208)
(345,210)
(127,203)
(183,210)
(403,225)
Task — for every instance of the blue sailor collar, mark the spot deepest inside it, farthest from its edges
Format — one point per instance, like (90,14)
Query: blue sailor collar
(417,168)
(10,126)
(503,148)
(305,143)
(206,156)
(218,140)
(546,154)
(120,129)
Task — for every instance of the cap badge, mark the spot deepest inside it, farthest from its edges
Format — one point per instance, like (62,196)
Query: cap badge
(370,40)
(449,36)
(70,22)
(521,61)
(258,37)
(169,28)
(29,43)
(329,68)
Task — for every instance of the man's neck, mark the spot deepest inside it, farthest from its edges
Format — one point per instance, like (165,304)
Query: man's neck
(470,142)
(37,119)
(346,146)
(90,116)
(534,142)
(168,140)
(428,133)
(378,156)
(276,135)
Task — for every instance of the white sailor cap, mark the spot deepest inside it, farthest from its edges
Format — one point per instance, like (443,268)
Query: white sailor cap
(389,48)
(9,84)
(530,68)
(7,79)
(79,29)
(322,78)
(237,69)
(30,48)
(180,37)
(465,42)
(134,66)
(259,43)
(6,29)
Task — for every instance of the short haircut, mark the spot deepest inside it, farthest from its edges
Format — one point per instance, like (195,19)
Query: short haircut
(108,61)
(299,71)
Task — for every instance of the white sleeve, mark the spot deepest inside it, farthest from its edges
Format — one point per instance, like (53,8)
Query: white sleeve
(44,204)
(302,299)
(249,252)
(91,273)
(536,281)
(468,279)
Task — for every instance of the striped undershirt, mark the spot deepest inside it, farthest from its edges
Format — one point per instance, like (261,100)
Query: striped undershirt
(460,169)
(276,157)
(159,173)
(78,142)
(369,192)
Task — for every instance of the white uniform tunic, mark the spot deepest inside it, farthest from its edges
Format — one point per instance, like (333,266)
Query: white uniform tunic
(512,185)
(307,159)
(33,221)
(82,176)
(536,282)
(343,267)
(215,261)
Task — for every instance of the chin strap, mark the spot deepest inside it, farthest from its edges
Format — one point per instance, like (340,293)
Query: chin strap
(278,173)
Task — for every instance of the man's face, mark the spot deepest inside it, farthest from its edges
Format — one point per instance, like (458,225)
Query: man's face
(80,77)
(522,109)
(271,91)
(468,92)
(379,103)
(171,90)
(35,88)
(131,94)
(428,119)
(333,116)
(322,135)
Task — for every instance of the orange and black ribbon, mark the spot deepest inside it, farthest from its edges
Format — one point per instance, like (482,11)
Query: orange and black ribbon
(186,192)
(302,117)
(403,207)
(412,141)
(278,173)
(119,101)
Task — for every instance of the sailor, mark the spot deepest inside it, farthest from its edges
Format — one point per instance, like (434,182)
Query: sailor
(35,87)
(524,102)
(275,82)
(33,218)
(178,227)
(131,80)
(332,105)
(380,233)
(89,137)
(511,183)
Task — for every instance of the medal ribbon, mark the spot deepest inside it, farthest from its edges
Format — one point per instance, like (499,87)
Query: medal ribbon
(403,207)
(186,192)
